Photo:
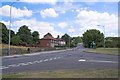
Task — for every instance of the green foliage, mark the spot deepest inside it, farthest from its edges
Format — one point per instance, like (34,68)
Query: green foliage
(15,40)
(12,33)
(67,39)
(4,31)
(93,35)
(75,41)
(25,34)
(112,42)
(35,36)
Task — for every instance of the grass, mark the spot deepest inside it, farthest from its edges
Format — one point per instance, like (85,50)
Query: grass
(6,46)
(107,73)
(113,51)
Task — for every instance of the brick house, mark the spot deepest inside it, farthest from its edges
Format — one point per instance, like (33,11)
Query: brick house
(48,41)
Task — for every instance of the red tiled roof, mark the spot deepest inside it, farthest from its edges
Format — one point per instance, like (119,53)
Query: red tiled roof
(59,39)
(48,37)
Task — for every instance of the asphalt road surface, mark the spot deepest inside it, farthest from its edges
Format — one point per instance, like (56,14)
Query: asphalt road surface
(69,59)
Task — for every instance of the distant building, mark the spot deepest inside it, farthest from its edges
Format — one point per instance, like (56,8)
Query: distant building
(48,41)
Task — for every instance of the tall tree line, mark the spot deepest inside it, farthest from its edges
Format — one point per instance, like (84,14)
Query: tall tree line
(23,36)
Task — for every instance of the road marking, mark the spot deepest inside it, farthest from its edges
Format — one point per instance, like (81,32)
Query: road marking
(82,60)
(3,67)
(28,63)
(36,62)
(46,60)
(51,59)
(55,58)
(23,64)
(13,65)
(102,61)
(41,61)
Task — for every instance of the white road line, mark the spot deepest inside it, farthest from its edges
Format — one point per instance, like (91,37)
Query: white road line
(82,60)
(102,61)
(23,64)
(29,63)
(46,60)
(13,65)
(36,62)
(3,67)
(41,61)
(55,58)
(51,59)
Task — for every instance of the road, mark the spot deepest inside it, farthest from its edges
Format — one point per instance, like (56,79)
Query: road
(70,59)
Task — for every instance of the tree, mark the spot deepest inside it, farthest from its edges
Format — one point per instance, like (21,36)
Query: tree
(93,35)
(75,41)
(25,34)
(35,36)
(67,39)
(112,42)
(58,36)
(12,33)
(5,32)
(15,40)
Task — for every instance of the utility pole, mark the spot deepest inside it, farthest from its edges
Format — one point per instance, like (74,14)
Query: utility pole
(10,28)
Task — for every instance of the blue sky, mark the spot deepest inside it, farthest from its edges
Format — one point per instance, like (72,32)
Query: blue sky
(63,17)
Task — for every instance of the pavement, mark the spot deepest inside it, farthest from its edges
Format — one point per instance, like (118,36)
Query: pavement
(59,60)
(37,53)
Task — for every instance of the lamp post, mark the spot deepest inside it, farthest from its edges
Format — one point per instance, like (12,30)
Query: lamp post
(10,27)
(104,34)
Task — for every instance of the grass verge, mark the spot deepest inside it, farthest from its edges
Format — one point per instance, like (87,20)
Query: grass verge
(107,73)
(113,51)
(6,46)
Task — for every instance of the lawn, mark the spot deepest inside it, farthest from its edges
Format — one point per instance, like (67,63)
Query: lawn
(113,51)
(5,46)
(107,73)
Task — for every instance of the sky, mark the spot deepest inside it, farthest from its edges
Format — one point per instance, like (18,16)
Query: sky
(58,18)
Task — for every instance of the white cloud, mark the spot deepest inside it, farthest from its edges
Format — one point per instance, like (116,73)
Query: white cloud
(50,12)
(62,25)
(71,30)
(53,2)
(6,23)
(63,12)
(90,20)
(16,13)
(42,27)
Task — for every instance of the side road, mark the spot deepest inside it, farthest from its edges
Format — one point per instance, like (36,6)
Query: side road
(37,53)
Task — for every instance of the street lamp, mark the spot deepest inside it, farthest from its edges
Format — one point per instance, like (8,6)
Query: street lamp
(10,27)
(104,33)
